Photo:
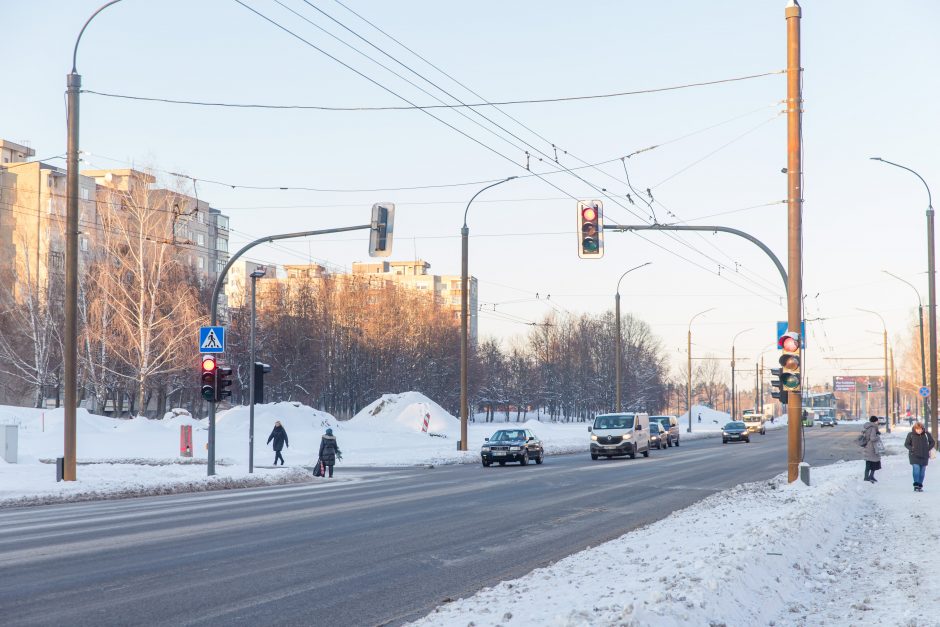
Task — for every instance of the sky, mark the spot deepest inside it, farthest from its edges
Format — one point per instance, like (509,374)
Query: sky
(869,90)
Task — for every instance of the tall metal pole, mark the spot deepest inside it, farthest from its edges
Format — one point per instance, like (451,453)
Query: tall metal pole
(931,298)
(618,358)
(251,380)
(887,385)
(761,379)
(757,388)
(734,406)
(894,390)
(920,320)
(70,340)
(689,351)
(465,316)
(794,222)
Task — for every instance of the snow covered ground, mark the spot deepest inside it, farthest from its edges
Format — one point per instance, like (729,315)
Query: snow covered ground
(838,552)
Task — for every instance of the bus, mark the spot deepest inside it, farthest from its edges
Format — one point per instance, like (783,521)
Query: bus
(809,416)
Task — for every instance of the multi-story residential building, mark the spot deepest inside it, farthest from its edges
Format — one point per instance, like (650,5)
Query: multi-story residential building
(32,223)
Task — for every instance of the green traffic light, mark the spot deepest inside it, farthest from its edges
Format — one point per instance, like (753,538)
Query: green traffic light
(790,382)
(589,245)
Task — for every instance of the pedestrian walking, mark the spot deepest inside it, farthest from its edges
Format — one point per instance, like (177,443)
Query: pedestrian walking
(279,435)
(329,452)
(920,446)
(872,448)
(700,418)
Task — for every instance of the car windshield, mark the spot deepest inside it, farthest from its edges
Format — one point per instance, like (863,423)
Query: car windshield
(663,420)
(505,436)
(613,422)
(734,425)
(654,427)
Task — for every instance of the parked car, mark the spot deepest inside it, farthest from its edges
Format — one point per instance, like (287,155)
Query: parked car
(827,421)
(671,425)
(658,436)
(512,445)
(620,434)
(735,432)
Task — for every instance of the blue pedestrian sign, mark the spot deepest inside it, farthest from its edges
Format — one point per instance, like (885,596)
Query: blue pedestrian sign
(211,339)
(924,391)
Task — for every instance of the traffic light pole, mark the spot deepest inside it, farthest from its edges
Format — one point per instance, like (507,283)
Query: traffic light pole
(214,305)
(794,224)
(618,358)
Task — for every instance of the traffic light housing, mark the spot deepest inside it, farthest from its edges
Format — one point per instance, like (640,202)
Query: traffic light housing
(223,381)
(209,374)
(778,392)
(380,237)
(260,370)
(790,361)
(590,229)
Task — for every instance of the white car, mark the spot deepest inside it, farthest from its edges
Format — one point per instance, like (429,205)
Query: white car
(614,435)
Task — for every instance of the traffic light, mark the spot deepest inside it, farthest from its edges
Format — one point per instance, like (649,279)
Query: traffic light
(777,392)
(260,370)
(223,380)
(209,370)
(380,237)
(790,361)
(590,229)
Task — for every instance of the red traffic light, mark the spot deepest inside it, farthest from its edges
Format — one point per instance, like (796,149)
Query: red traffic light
(208,364)
(589,214)
(789,342)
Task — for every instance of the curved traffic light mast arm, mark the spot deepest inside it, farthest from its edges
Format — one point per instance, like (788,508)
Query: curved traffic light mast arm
(723,229)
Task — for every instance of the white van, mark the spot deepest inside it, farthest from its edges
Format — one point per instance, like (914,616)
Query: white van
(620,434)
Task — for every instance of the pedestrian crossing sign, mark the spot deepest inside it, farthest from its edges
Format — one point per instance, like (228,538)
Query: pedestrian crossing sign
(212,339)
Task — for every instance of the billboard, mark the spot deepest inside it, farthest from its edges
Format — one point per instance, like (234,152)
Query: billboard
(861,383)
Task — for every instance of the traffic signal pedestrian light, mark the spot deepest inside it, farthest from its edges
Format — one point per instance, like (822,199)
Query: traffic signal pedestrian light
(778,392)
(590,229)
(790,361)
(209,369)
(260,370)
(380,237)
(223,381)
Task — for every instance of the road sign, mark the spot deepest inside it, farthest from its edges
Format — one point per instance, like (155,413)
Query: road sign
(782,329)
(924,391)
(211,339)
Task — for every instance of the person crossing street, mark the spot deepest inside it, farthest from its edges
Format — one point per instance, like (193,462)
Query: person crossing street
(279,435)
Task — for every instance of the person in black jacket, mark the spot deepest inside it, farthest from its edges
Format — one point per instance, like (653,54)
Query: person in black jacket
(329,452)
(918,444)
(279,435)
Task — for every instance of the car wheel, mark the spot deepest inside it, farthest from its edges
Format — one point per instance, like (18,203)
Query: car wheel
(747,441)
(633,454)
(540,458)
(609,456)
(525,460)
(502,463)
(646,453)
(593,456)
(677,441)
(724,441)
(486,464)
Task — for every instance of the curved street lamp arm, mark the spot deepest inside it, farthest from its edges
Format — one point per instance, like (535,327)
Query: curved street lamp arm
(699,314)
(739,333)
(904,167)
(628,272)
(82,32)
(877,314)
(913,287)
(480,192)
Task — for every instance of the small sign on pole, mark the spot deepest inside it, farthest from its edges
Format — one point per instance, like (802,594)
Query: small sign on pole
(212,339)
(924,391)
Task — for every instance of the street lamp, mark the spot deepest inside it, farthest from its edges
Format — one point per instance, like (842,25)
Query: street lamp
(920,316)
(258,273)
(619,341)
(734,400)
(464,316)
(931,296)
(689,352)
(885,342)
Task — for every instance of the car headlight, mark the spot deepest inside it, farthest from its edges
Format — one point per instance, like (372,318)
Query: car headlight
(627,436)
(515,448)
(725,433)
(593,438)
(486,449)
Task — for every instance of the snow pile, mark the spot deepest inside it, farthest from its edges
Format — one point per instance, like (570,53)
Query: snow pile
(407,412)
(760,553)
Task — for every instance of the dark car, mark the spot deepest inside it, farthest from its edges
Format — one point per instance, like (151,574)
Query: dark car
(658,437)
(827,421)
(671,425)
(512,445)
(735,432)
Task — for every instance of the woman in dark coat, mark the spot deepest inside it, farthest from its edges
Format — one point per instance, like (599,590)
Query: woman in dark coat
(279,435)
(872,447)
(918,444)
(329,451)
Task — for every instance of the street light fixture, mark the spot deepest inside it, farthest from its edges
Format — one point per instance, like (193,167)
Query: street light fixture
(258,273)
(931,296)
(923,359)
(464,316)
(689,351)
(734,400)
(885,342)
(617,406)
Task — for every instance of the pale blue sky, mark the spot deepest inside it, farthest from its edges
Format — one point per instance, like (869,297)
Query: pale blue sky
(871,88)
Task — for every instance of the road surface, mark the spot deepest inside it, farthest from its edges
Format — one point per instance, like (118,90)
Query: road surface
(383,548)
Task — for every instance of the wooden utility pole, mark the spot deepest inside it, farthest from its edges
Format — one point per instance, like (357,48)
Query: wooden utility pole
(794,223)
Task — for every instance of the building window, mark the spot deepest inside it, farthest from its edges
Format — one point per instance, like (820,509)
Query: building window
(199,216)
(221,222)
(202,263)
(221,245)
(85,193)
(83,242)
(201,239)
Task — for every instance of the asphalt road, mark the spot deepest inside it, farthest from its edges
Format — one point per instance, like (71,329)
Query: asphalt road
(386,547)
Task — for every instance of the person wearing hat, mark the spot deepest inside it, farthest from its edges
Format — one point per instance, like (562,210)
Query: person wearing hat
(919,445)
(279,435)
(329,451)
(872,448)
